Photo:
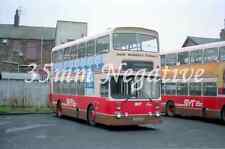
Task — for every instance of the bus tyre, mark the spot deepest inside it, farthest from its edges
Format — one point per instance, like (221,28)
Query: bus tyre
(91,115)
(170,109)
(223,115)
(59,110)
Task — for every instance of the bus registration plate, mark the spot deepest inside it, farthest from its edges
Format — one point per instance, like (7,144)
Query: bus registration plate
(138,119)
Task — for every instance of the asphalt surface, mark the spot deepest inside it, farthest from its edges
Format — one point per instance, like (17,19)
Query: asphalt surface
(49,132)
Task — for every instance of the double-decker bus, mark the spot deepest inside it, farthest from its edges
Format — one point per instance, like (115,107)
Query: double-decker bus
(101,78)
(193,81)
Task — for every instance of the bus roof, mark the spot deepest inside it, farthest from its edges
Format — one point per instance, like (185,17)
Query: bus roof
(110,31)
(197,47)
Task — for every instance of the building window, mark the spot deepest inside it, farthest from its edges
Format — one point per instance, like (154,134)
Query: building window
(183,58)
(222,53)
(170,88)
(211,55)
(182,89)
(171,59)
(209,89)
(195,89)
(196,57)
(102,45)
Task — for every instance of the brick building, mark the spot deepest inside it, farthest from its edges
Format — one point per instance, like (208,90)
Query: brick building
(23,45)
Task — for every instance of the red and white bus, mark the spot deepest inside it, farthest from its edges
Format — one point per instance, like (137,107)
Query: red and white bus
(101,71)
(193,81)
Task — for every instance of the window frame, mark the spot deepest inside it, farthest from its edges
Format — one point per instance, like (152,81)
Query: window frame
(220,49)
(181,58)
(208,58)
(193,90)
(170,63)
(205,86)
(194,58)
(91,46)
(166,89)
(179,84)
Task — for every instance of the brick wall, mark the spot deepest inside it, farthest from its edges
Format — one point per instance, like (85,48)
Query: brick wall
(24,52)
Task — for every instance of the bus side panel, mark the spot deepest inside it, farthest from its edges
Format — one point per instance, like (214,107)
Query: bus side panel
(185,105)
(213,106)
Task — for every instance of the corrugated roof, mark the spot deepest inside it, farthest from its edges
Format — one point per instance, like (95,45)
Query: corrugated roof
(9,31)
(200,40)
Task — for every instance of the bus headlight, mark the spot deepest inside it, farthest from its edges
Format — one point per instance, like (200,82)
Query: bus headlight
(157,114)
(118,115)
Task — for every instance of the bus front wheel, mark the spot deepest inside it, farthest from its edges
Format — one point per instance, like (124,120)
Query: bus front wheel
(91,114)
(170,109)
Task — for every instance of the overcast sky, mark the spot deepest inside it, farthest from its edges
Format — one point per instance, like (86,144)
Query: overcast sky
(173,19)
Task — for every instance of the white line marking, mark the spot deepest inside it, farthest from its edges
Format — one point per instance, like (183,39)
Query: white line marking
(16,129)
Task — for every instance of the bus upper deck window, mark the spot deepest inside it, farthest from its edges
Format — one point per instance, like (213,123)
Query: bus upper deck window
(163,60)
(196,57)
(222,53)
(211,55)
(102,45)
(171,59)
(183,58)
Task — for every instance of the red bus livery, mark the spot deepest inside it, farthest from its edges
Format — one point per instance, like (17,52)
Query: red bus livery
(193,81)
(103,71)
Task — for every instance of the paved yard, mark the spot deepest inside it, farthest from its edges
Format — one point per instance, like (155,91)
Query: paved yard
(49,132)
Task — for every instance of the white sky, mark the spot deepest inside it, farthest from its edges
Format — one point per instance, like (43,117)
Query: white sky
(173,19)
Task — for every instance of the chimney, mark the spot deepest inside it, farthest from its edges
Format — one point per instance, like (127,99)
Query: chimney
(17,18)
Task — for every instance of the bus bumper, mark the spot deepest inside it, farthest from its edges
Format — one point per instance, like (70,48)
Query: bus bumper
(127,120)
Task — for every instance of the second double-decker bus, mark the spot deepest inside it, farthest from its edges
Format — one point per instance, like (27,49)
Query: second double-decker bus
(193,81)
(102,74)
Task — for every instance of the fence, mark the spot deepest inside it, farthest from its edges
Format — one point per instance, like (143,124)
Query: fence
(14,91)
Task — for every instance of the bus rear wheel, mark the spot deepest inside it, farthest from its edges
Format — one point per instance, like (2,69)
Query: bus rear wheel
(170,109)
(59,110)
(91,114)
